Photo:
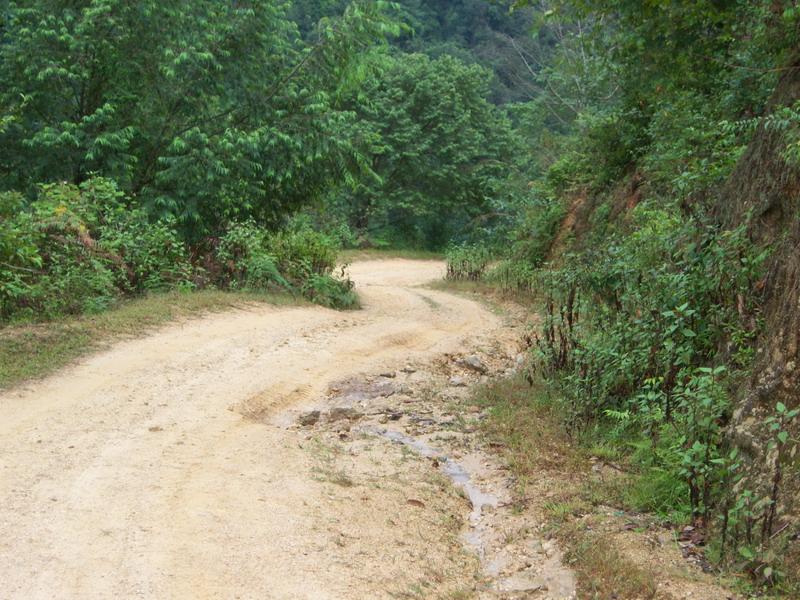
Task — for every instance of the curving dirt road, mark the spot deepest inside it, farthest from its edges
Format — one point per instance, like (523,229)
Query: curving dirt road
(163,468)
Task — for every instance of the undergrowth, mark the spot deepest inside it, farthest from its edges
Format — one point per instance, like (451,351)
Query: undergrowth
(646,335)
(80,249)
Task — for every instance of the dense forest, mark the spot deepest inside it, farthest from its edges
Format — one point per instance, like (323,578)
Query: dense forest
(631,169)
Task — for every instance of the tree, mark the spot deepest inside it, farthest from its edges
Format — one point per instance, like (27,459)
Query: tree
(441,152)
(203,110)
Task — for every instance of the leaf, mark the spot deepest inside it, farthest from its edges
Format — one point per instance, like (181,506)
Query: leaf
(746,552)
(783,436)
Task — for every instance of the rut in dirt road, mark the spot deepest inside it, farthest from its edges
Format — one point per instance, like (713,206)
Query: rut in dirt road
(159,469)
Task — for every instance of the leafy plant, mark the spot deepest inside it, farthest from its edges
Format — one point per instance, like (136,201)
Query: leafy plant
(467,263)
(296,259)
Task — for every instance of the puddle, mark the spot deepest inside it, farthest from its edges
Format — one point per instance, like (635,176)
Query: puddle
(461,478)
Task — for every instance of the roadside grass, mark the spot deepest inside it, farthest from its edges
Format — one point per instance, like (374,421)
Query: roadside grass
(601,570)
(526,427)
(326,469)
(349,256)
(29,351)
(585,483)
(500,302)
(488,294)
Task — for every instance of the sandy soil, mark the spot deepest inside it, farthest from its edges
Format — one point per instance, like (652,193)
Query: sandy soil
(164,467)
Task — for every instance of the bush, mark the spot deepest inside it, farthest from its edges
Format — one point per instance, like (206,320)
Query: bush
(331,291)
(302,252)
(634,331)
(56,267)
(513,276)
(245,261)
(467,263)
(77,249)
(19,253)
(75,283)
(154,255)
(536,233)
(297,259)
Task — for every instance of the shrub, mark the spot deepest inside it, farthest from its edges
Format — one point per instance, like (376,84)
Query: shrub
(513,276)
(75,283)
(302,252)
(154,255)
(467,263)
(634,330)
(76,249)
(536,232)
(19,253)
(245,261)
(331,291)
(57,267)
(297,259)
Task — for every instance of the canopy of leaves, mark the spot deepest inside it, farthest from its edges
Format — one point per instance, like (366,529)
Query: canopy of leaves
(203,110)
(441,153)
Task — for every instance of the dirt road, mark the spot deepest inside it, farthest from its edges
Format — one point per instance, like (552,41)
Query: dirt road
(164,467)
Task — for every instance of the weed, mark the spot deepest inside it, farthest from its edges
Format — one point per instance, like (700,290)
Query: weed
(467,263)
(602,572)
(326,470)
(562,511)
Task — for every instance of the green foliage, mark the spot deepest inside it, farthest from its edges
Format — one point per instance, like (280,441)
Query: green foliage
(652,314)
(245,259)
(158,97)
(302,252)
(657,485)
(308,260)
(137,132)
(638,326)
(535,233)
(296,259)
(333,292)
(441,152)
(154,255)
(659,295)
(513,275)
(480,32)
(467,263)
(689,150)
(78,248)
